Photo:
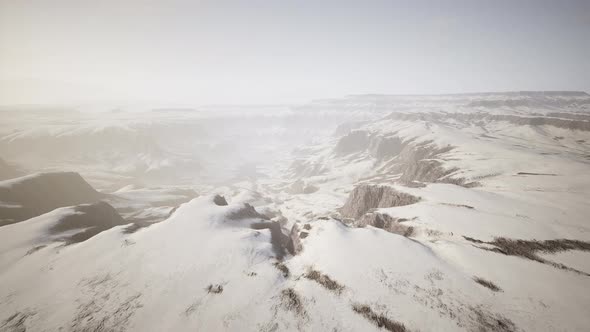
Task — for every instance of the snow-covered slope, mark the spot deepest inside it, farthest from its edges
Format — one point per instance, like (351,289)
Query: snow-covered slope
(399,213)
(63,225)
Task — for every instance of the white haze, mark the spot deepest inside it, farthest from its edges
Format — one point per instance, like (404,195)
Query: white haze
(234,52)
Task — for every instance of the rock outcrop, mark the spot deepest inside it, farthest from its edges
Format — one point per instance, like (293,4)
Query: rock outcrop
(385,222)
(294,243)
(415,161)
(246,212)
(367,197)
(281,243)
(219,200)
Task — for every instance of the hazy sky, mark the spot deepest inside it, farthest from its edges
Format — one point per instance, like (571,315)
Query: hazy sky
(70,51)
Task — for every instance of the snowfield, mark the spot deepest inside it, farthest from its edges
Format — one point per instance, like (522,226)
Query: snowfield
(370,212)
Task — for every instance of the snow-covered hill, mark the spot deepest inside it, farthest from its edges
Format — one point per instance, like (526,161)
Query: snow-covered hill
(371,212)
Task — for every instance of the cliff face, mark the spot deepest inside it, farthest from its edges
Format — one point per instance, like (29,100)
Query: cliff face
(366,197)
(377,146)
(33,195)
(385,222)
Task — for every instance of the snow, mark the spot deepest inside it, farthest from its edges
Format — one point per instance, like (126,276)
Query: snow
(17,239)
(533,183)
(169,264)
(579,260)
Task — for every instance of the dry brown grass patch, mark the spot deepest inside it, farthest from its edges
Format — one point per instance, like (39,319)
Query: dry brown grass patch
(529,249)
(377,319)
(488,322)
(324,280)
(487,283)
(283,268)
(291,301)
(215,289)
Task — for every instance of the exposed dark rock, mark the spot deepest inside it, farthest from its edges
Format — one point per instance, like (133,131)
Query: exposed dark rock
(219,200)
(385,222)
(366,197)
(246,212)
(34,195)
(293,245)
(277,238)
(281,243)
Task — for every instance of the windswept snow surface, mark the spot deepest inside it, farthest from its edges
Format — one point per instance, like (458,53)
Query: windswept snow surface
(496,235)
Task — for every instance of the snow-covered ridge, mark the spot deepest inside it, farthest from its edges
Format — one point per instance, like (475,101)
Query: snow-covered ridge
(63,225)
(35,194)
(519,101)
